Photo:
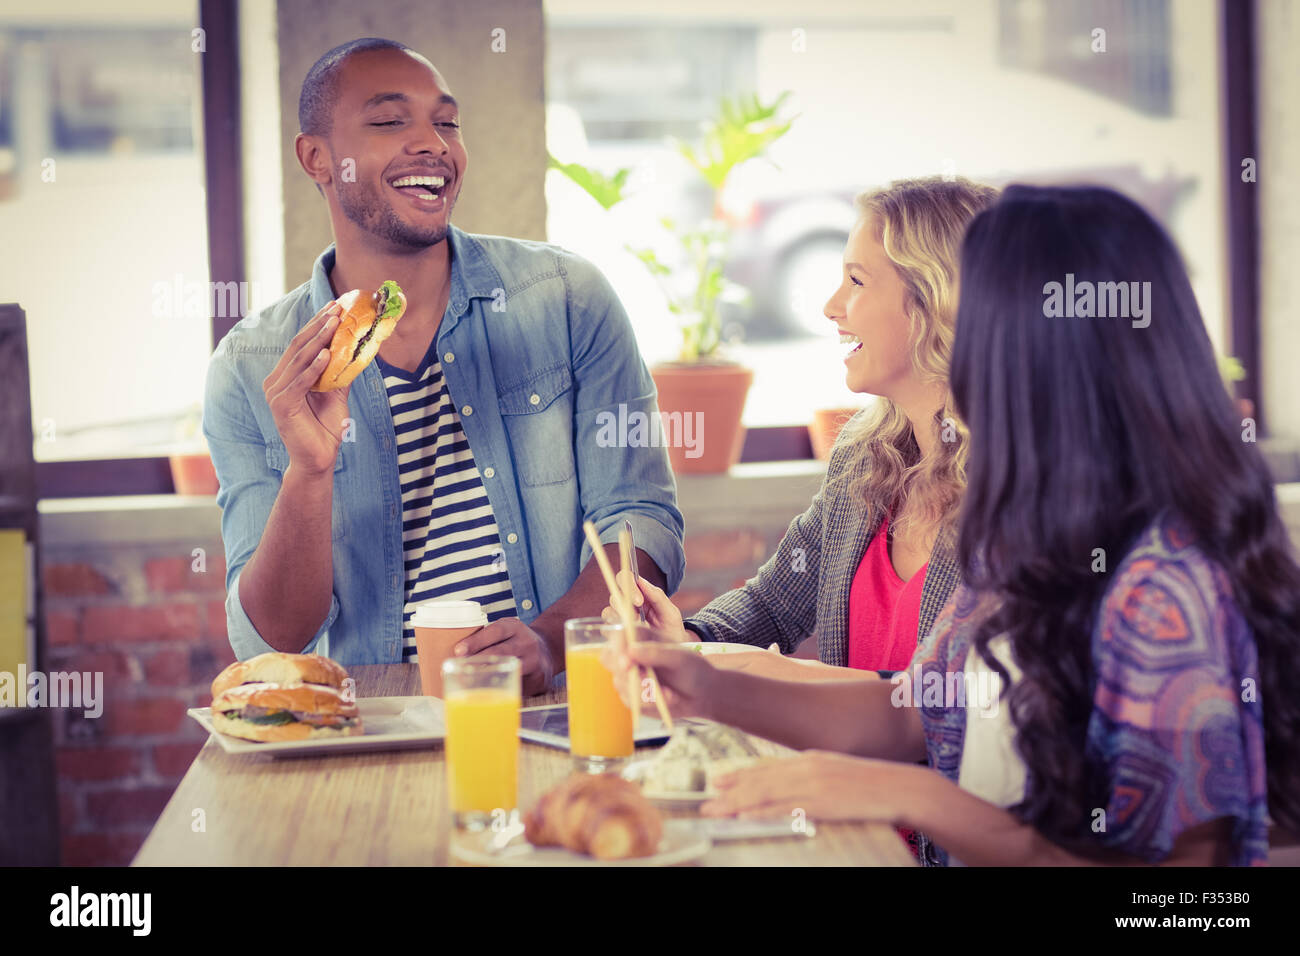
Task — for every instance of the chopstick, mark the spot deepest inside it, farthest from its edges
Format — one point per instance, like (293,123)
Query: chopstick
(623,605)
(627,560)
(629,624)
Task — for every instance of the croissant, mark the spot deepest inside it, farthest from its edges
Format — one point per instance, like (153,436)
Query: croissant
(600,815)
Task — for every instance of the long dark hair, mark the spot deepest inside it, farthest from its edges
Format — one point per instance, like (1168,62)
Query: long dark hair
(1083,432)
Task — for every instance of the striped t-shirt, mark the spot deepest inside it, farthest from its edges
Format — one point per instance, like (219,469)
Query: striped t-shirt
(451,545)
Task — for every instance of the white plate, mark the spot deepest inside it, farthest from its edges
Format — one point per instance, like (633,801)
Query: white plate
(679,799)
(681,842)
(391,723)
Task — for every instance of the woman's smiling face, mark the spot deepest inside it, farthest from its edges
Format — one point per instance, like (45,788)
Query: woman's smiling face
(869,306)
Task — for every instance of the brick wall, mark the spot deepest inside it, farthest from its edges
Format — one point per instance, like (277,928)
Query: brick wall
(721,559)
(717,561)
(153,621)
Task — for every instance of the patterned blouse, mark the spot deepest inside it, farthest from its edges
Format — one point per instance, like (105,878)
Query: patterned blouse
(1176,720)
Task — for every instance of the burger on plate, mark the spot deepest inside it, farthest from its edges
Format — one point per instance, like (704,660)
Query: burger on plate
(278,697)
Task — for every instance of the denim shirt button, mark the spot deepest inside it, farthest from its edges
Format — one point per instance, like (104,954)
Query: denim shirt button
(467,410)
(489,472)
(534,399)
(512,537)
(449,357)
(527,604)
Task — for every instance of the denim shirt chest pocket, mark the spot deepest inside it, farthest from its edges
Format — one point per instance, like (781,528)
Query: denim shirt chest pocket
(277,459)
(538,418)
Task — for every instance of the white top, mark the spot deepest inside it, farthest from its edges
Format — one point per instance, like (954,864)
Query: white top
(991,769)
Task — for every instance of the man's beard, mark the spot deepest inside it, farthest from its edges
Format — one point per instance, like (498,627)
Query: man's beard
(376,215)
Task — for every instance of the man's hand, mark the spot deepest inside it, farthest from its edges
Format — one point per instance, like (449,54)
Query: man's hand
(310,423)
(511,637)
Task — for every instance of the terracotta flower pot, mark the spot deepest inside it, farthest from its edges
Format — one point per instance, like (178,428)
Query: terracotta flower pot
(194,474)
(701,404)
(825,428)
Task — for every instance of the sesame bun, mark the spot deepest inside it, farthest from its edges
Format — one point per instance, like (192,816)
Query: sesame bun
(279,668)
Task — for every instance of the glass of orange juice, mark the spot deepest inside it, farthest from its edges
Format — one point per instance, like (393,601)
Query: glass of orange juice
(481,703)
(600,724)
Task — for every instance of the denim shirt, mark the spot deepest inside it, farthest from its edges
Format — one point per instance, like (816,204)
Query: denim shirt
(534,345)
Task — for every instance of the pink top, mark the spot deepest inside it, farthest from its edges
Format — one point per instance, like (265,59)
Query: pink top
(884,610)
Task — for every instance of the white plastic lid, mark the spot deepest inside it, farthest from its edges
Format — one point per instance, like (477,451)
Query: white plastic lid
(448,614)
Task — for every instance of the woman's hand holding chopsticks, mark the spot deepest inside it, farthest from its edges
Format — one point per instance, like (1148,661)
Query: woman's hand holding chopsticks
(684,676)
(661,612)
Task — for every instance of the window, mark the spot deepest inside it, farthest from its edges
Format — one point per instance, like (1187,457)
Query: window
(104,235)
(1016,90)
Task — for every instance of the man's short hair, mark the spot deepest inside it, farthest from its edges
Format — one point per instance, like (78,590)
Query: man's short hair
(320,92)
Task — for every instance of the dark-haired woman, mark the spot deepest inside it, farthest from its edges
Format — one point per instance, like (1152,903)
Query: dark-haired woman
(1130,599)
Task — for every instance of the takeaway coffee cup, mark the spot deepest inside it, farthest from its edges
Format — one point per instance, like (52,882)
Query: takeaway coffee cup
(438,626)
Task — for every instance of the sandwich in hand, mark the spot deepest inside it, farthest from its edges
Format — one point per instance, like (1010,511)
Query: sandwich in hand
(276,697)
(368,318)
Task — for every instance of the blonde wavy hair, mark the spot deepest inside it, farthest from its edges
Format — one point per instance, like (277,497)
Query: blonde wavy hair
(920,223)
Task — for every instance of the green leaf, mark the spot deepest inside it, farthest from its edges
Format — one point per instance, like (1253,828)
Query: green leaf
(391,303)
(652,261)
(275,718)
(743,130)
(1230,369)
(606,190)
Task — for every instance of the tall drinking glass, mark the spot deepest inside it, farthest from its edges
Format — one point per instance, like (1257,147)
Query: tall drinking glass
(600,724)
(481,698)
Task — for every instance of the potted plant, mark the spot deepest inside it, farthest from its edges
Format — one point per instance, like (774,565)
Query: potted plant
(702,393)
(826,426)
(191,464)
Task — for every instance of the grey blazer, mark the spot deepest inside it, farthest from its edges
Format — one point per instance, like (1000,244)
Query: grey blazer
(804,587)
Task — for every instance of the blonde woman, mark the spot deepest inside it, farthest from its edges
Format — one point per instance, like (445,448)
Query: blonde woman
(870,563)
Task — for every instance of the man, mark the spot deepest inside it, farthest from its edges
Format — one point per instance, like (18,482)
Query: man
(463,461)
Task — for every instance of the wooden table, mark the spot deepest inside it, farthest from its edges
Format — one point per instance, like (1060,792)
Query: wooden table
(390,808)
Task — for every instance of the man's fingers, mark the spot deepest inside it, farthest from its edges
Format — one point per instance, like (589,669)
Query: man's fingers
(314,326)
(515,646)
(301,353)
(301,383)
(485,637)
